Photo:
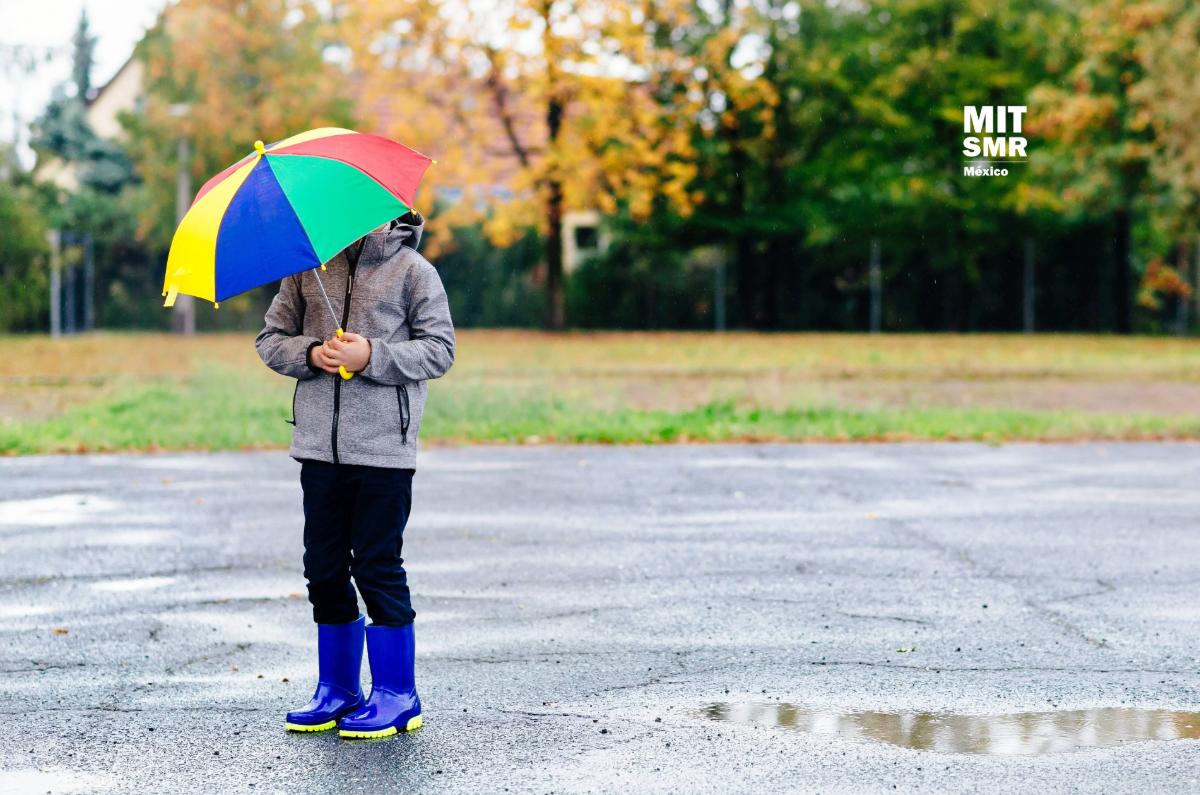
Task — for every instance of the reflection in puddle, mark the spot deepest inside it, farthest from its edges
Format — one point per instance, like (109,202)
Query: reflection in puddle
(55,511)
(1005,735)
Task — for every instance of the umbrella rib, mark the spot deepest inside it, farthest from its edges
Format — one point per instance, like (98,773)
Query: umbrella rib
(328,303)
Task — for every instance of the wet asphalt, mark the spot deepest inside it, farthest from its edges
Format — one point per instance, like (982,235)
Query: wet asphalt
(579,608)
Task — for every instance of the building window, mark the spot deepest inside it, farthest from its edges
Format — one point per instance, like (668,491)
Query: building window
(586,238)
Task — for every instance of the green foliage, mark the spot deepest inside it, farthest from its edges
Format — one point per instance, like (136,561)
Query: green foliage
(23,260)
(628,287)
(128,275)
(62,131)
(487,285)
(83,56)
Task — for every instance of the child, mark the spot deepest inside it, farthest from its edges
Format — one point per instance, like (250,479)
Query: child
(356,441)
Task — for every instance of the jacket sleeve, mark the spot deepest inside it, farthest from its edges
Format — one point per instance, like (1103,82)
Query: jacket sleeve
(429,351)
(280,344)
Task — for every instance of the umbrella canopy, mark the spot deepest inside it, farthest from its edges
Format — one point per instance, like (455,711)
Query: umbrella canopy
(288,207)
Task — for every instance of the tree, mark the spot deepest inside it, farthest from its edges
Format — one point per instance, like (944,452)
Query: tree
(528,106)
(1106,139)
(898,164)
(222,74)
(774,81)
(23,257)
(62,131)
(83,57)
(1169,102)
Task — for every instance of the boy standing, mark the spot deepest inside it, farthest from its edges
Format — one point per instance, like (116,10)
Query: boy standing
(356,441)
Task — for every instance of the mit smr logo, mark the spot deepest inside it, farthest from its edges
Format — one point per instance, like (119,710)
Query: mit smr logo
(989,131)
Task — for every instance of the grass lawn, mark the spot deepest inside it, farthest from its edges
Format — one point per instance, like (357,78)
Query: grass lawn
(150,391)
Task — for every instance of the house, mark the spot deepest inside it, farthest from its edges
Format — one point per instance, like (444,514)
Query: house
(583,236)
(122,94)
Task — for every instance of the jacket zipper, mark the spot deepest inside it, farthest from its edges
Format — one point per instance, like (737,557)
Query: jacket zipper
(337,379)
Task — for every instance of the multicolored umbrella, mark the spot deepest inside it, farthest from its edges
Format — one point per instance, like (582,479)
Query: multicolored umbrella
(287,207)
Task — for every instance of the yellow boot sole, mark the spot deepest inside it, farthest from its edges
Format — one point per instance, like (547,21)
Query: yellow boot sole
(318,727)
(413,723)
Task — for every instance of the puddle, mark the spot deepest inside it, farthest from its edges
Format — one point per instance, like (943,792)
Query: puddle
(55,511)
(1018,733)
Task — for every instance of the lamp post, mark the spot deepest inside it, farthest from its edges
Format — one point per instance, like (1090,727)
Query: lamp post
(184,319)
(875,282)
(54,239)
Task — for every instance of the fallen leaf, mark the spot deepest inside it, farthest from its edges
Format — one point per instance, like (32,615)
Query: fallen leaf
(59,631)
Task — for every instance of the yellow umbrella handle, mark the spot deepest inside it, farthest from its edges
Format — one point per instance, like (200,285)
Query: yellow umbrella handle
(342,371)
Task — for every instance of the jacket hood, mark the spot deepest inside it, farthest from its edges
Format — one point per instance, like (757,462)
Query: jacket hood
(403,232)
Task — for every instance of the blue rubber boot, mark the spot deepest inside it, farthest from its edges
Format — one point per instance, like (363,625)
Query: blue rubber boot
(393,706)
(339,692)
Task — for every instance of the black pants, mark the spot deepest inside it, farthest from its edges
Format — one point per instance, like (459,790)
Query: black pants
(354,519)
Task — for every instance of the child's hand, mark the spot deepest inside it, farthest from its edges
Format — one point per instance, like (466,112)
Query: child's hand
(351,351)
(319,359)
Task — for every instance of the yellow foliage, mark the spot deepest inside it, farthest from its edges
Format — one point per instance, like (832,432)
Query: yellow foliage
(534,99)
(242,70)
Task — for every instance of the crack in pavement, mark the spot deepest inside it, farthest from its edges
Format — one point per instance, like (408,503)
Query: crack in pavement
(1002,669)
(226,651)
(1058,618)
(904,619)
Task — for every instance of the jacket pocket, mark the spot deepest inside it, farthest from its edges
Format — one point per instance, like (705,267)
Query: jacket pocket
(295,389)
(405,414)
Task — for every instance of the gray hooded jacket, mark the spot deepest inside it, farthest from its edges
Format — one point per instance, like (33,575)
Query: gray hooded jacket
(394,298)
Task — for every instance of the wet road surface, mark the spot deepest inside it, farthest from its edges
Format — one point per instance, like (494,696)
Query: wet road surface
(581,610)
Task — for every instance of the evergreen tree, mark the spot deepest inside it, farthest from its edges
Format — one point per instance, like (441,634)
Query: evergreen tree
(83,57)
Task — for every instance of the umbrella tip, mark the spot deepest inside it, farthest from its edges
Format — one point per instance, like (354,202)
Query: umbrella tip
(258,147)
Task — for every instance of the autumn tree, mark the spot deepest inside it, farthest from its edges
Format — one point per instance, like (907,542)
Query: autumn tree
(224,73)
(532,108)
(1106,139)
(1168,100)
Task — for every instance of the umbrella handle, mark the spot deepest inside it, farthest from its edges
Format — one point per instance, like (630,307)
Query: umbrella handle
(342,371)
